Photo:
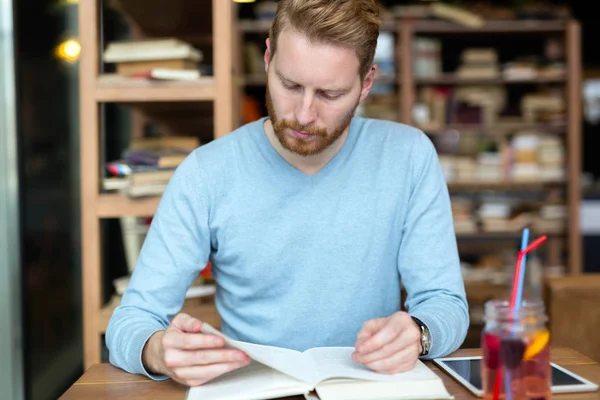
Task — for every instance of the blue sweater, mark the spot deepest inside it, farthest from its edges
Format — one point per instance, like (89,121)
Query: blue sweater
(301,261)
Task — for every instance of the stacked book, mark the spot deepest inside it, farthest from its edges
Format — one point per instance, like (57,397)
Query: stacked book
(164,58)
(479,63)
(495,215)
(537,157)
(463,215)
(544,107)
(147,165)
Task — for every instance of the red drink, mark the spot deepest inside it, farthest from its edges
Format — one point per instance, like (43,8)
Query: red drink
(516,353)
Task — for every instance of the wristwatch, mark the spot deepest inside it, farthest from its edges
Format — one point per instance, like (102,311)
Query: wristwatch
(425,336)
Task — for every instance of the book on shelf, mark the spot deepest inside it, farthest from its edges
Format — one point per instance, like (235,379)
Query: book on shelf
(161,157)
(188,143)
(137,67)
(150,50)
(168,74)
(478,63)
(278,372)
(456,14)
(159,59)
(440,10)
(144,190)
(148,165)
(116,182)
(121,168)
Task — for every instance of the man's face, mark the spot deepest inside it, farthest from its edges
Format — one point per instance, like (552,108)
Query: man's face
(313,90)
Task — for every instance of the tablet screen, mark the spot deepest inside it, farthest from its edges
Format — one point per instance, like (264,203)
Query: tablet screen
(470,370)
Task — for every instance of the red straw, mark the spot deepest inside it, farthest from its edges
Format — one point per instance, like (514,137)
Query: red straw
(513,298)
(520,255)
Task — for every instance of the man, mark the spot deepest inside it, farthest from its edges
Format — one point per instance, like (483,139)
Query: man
(311,219)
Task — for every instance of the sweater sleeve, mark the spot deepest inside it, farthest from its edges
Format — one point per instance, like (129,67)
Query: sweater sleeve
(428,259)
(176,249)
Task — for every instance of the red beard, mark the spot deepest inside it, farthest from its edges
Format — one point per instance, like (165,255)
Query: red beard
(320,138)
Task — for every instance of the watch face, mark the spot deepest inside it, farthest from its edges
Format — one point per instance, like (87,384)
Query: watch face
(426,341)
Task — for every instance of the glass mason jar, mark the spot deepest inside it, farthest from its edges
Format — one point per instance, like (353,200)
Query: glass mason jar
(516,352)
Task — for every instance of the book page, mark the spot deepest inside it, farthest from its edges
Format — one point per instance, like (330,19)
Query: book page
(290,362)
(336,362)
(248,383)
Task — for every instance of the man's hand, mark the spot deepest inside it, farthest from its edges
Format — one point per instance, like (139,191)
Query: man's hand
(389,345)
(188,356)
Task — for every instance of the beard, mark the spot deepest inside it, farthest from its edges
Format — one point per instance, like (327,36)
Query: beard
(320,138)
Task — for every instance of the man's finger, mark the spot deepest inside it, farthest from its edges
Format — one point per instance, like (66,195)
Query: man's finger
(369,328)
(183,358)
(191,341)
(398,362)
(388,332)
(185,323)
(385,351)
(205,373)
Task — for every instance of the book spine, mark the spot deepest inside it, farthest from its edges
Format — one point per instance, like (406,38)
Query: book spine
(138,158)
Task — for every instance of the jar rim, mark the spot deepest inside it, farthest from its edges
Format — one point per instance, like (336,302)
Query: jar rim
(505,304)
(499,309)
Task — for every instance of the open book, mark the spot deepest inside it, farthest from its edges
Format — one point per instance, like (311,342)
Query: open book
(277,372)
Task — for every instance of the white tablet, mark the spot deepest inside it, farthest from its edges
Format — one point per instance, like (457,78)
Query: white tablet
(467,371)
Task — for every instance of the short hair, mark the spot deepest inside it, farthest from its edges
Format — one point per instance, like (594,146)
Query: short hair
(352,24)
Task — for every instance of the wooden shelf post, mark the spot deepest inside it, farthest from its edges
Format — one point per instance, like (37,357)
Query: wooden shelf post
(574,150)
(91,261)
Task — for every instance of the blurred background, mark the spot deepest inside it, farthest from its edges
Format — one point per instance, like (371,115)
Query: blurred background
(91,110)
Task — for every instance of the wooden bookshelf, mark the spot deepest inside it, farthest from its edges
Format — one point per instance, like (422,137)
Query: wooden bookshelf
(150,19)
(452,79)
(570,131)
(499,27)
(500,129)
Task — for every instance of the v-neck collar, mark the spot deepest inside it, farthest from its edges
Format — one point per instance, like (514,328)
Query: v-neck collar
(337,159)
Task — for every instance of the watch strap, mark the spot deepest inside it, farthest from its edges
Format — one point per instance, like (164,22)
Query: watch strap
(425,336)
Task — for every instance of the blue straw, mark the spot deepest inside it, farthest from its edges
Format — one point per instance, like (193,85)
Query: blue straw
(524,243)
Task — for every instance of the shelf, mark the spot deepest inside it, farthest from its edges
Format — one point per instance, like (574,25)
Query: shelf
(118,205)
(435,26)
(205,312)
(263,26)
(115,88)
(504,186)
(260,80)
(497,235)
(501,128)
(453,79)
(499,26)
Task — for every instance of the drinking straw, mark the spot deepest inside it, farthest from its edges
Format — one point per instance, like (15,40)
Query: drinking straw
(520,257)
(524,242)
(513,298)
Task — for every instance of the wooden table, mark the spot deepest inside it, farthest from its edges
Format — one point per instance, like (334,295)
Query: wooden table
(103,381)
